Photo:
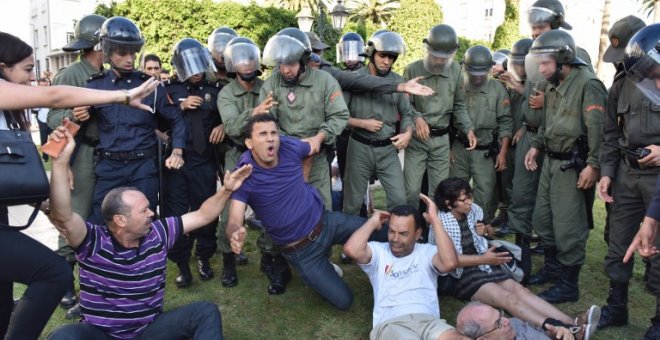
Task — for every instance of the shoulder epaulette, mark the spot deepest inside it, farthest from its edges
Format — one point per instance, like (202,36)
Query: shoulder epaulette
(143,75)
(96,76)
(172,81)
(216,84)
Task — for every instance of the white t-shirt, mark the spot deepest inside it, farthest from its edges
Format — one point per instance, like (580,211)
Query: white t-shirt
(403,285)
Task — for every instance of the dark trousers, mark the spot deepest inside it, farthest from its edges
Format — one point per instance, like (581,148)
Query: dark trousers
(45,273)
(44,131)
(197,321)
(185,190)
(140,173)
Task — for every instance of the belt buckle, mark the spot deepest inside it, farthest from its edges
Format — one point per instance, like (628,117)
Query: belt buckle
(313,238)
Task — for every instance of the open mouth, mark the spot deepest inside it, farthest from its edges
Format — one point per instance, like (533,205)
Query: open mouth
(271,150)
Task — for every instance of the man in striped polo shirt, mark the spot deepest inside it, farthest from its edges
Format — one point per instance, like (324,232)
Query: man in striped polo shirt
(123,264)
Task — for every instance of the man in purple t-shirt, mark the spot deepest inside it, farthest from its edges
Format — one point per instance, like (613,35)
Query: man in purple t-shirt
(123,264)
(291,210)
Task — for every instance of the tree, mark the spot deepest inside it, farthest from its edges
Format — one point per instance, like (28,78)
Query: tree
(377,12)
(413,20)
(652,6)
(464,44)
(508,32)
(604,39)
(294,5)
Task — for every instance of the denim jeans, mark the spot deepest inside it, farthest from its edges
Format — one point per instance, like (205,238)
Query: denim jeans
(197,321)
(312,261)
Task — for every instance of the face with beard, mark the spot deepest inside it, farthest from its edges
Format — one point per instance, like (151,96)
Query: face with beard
(477,80)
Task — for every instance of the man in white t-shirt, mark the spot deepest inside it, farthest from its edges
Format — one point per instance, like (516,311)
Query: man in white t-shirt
(404,273)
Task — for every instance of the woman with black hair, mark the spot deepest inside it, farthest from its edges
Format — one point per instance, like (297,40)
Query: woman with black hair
(479,277)
(25,260)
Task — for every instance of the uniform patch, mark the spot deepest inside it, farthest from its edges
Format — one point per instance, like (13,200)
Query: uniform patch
(506,102)
(595,107)
(334,95)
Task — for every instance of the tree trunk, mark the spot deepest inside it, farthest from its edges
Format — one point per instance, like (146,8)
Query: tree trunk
(604,39)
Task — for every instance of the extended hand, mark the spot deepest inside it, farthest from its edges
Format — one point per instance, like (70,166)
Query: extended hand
(140,92)
(233,180)
(265,106)
(431,214)
(413,87)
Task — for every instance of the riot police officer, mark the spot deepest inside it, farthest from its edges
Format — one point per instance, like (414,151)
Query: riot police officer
(188,187)
(374,142)
(488,106)
(349,51)
(630,181)
(127,148)
(86,36)
(571,134)
(428,151)
(216,43)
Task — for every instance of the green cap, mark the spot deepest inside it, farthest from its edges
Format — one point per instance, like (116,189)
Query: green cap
(619,35)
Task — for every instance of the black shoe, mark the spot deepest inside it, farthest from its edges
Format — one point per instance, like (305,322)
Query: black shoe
(73,313)
(538,250)
(185,275)
(567,289)
(345,259)
(279,275)
(615,313)
(69,299)
(551,270)
(204,269)
(242,259)
(653,333)
(229,278)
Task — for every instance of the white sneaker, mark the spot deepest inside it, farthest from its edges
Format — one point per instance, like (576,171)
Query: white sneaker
(338,270)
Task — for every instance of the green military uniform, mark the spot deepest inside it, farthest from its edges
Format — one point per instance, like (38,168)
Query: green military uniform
(517,101)
(77,74)
(631,122)
(235,104)
(214,77)
(584,56)
(314,104)
(432,155)
(488,107)
(525,182)
(372,153)
(574,108)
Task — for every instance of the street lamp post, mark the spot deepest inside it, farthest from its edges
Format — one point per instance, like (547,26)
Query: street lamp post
(306,19)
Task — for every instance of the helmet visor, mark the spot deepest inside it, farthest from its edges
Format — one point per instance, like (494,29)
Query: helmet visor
(349,51)
(191,62)
(538,65)
(500,58)
(517,70)
(218,42)
(242,58)
(440,53)
(540,15)
(282,49)
(389,42)
(437,64)
(645,73)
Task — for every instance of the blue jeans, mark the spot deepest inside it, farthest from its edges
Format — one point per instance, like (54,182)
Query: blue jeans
(197,321)
(312,264)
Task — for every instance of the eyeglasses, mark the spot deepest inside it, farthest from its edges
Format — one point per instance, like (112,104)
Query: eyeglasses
(468,198)
(498,324)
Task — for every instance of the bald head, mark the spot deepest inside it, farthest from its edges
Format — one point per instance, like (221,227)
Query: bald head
(480,321)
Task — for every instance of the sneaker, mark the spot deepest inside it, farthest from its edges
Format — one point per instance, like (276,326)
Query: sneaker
(589,316)
(338,270)
(583,332)
(73,313)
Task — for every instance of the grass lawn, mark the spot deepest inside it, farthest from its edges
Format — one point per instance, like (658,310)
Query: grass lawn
(248,312)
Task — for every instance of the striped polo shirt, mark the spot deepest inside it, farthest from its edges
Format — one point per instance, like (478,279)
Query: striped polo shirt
(122,289)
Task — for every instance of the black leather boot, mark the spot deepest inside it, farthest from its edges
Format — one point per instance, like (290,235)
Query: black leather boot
(204,269)
(242,259)
(566,289)
(551,268)
(185,275)
(525,257)
(653,333)
(279,275)
(229,278)
(615,313)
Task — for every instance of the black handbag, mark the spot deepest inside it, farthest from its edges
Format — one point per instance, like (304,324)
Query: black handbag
(23,178)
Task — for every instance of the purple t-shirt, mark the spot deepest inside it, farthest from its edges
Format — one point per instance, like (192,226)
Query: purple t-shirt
(287,206)
(121,289)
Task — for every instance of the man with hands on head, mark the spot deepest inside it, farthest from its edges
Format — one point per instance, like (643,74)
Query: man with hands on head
(133,248)
(404,273)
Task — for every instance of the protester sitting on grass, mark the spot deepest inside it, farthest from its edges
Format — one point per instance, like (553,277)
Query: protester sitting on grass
(123,264)
(479,321)
(404,273)
(479,276)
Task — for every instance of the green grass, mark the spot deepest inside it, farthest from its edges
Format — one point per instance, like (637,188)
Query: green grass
(248,312)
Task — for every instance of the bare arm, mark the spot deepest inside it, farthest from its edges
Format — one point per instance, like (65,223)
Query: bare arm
(69,224)
(356,247)
(445,260)
(213,206)
(14,96)
(236,232)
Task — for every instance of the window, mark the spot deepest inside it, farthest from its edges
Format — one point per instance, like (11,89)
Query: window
(69,37)
(45,35)
(36,38)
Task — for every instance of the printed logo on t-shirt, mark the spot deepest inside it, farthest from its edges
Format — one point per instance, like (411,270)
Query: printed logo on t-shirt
(400,274)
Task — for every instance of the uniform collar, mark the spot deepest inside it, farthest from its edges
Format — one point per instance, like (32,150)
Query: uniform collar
(238,90)
(129,79)
(307,81)
(563,86)
(89,68)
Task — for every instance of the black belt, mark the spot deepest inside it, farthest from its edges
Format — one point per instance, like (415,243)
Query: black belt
(439,132)
(236,146)
(371,142)
(530,128)
(482,147)
(562,156)
(127,155)
(311,237)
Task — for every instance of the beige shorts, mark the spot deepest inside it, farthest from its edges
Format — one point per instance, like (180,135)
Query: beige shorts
(410,326)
